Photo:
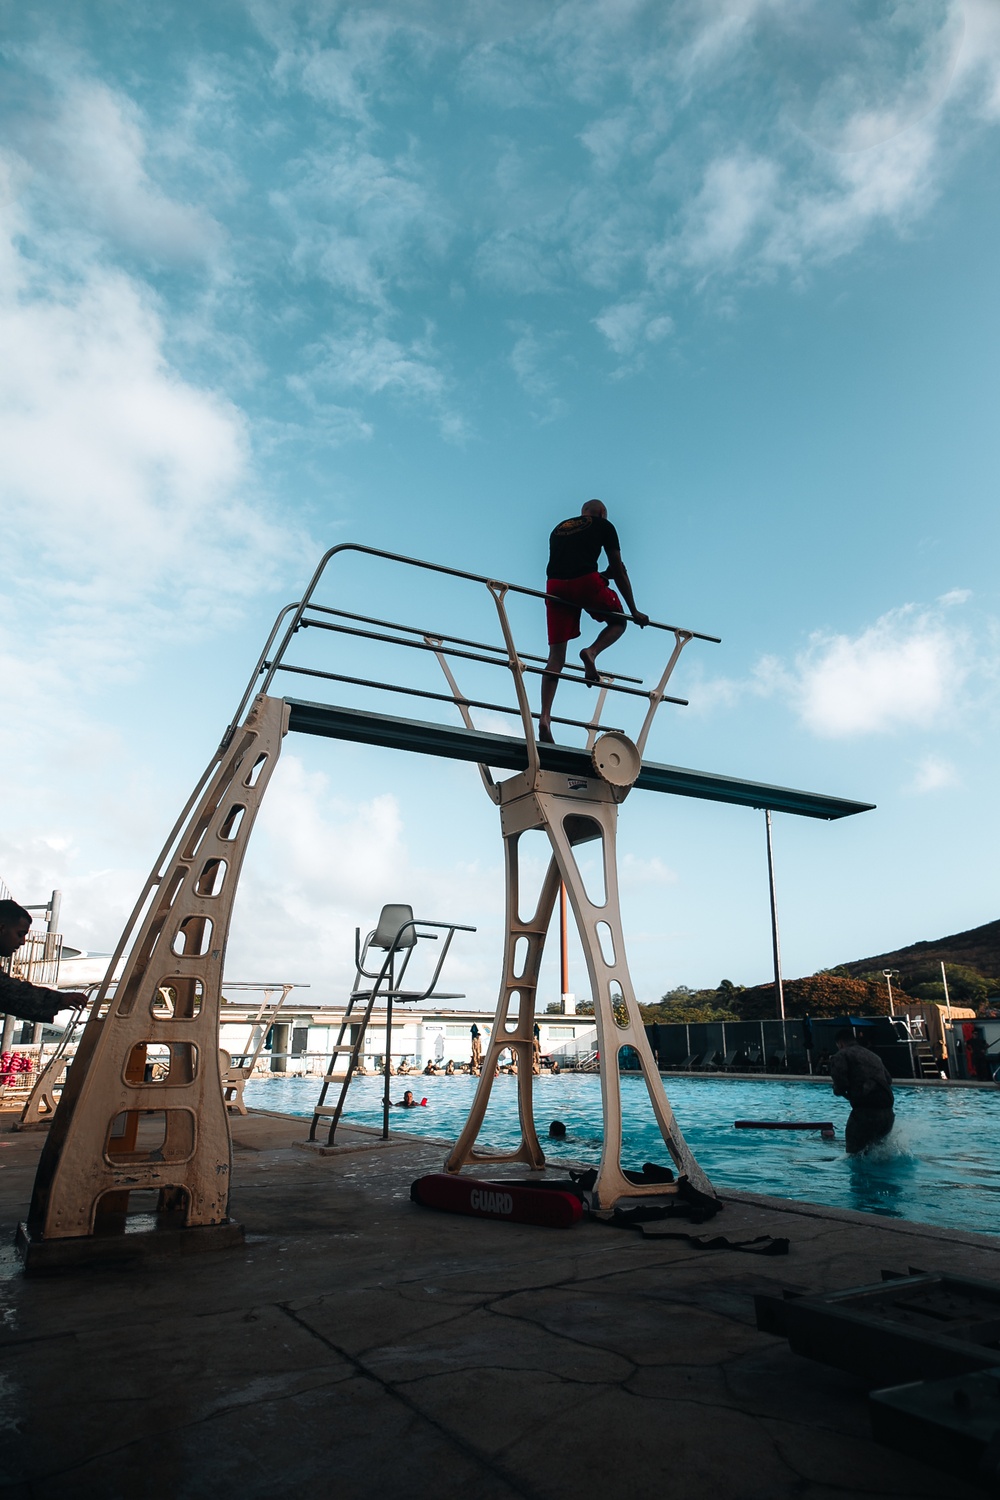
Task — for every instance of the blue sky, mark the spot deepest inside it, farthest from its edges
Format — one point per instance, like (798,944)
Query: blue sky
(427,276)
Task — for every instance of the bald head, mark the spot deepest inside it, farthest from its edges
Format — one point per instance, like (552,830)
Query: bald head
(594,508)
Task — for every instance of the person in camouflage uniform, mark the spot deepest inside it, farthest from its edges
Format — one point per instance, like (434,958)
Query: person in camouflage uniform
(863,1079)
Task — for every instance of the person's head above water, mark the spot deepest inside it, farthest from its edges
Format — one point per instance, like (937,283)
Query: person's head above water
(845,1037)
(408,1095)
(595,508)
(557,1129)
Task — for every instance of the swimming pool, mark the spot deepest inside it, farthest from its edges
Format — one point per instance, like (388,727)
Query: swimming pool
(940,1166)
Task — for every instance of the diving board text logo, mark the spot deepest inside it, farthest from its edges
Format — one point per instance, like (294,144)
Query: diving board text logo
(491,1203)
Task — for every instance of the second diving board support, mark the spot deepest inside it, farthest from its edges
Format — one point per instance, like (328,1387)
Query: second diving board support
(572,811)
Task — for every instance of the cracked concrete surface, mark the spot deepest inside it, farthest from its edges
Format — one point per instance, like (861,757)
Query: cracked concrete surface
(360,1345)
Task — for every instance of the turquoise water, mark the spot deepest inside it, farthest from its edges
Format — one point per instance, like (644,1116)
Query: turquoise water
(940,1166)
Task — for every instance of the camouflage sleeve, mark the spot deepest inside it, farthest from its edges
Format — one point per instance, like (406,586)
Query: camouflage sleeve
(28,1001)
(839,1074)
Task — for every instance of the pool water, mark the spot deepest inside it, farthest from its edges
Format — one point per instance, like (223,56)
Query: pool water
(939,1166)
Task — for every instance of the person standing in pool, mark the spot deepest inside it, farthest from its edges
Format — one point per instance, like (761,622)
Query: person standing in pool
(574,584)
(863,1079)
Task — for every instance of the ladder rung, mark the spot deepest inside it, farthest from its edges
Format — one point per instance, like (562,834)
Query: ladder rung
(347,1047)
(335,1077)
(325,1109)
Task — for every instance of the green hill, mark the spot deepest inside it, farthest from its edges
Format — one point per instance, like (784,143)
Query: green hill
(979,949)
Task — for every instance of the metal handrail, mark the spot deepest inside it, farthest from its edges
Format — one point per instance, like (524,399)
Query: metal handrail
(298,610)
(395,640)
(394,687)
(456,640)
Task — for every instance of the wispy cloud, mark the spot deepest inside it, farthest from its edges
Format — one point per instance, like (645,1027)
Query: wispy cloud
(361,222)
(931,775)
(369,362)
(629,325)
(531,359)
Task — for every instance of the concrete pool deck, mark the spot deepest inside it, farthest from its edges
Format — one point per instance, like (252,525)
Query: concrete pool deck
(360,1346)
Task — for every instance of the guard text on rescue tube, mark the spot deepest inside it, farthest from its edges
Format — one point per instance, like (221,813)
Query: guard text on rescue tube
(491,1203)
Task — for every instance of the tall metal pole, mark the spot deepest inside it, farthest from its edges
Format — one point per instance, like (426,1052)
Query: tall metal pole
(888,979)
(947,997)
(563,950)
(775,943)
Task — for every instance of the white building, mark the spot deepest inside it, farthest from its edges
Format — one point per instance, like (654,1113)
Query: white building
(302,1041)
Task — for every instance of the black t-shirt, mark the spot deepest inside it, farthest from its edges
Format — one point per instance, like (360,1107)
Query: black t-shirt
(575,546)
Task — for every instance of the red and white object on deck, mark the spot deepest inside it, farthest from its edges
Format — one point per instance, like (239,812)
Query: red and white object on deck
(497,1200)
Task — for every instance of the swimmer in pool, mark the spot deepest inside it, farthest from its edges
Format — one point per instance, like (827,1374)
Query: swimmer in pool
(861,1077)
(408,1101)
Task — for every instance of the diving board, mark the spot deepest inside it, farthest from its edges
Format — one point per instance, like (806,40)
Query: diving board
(506,753)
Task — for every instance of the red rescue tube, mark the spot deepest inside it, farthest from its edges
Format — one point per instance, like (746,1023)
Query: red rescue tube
(822,1125)
(497,1200)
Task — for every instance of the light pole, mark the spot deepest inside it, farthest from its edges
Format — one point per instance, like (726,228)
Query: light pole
(775,942)
(888,980)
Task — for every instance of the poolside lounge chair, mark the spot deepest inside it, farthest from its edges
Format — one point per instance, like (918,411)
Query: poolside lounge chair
(707,1064)
(689,1062)
(776,1062)
(726,1065)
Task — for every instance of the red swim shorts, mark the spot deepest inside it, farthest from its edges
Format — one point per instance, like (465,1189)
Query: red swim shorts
(589,592)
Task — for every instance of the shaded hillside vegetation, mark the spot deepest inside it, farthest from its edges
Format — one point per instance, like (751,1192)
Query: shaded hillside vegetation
(972,960)
(816,995)
(978,949)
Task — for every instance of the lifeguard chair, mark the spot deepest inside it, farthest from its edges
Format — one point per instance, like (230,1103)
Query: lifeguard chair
(396,935)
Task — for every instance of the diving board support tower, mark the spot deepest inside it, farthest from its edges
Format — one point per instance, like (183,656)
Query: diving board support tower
(142,1119)
(572,811)
(116,1131)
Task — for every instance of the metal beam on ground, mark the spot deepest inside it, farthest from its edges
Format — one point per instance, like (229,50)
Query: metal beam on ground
(509,753)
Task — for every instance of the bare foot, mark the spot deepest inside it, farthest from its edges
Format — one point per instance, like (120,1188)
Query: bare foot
(545,735)
(590,671)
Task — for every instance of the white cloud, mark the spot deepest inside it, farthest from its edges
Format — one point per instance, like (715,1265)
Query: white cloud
(931,775)
(319,865)
(369,361)
(91,152)
(130,525)
(902,672)
(737,194)
(912,669)
(361,222)
(628,324)
(122,476)
(978,66)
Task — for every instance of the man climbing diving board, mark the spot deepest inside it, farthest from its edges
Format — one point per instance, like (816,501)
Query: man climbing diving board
(574,582)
